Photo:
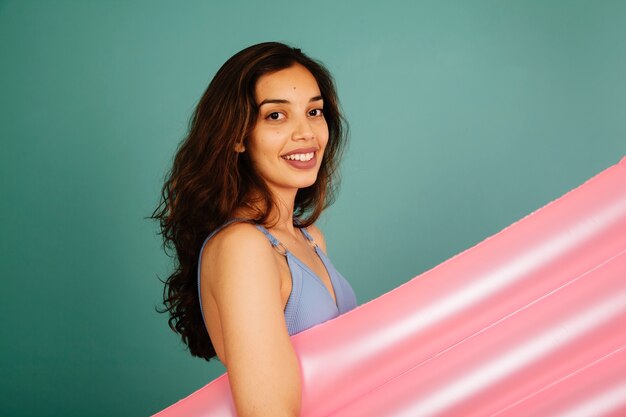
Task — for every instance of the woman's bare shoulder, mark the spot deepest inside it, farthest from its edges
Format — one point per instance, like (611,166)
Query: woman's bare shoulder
(241,236)
(237,245)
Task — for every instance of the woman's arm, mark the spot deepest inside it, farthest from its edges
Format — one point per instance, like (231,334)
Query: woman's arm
(245,284)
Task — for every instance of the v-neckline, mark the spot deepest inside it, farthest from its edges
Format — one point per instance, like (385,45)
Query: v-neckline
(332,283)
(275,242)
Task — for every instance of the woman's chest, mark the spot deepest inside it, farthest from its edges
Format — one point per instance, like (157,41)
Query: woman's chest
(313,267)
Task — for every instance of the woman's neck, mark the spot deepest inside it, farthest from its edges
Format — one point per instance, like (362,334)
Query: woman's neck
(280,216)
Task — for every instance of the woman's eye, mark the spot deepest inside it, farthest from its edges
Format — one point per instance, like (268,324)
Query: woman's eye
(316,112)
(275,116)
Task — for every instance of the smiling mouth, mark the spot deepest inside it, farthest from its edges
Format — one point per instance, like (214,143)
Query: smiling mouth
(304,157)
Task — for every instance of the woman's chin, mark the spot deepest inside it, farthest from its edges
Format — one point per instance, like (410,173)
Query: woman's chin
(308,183)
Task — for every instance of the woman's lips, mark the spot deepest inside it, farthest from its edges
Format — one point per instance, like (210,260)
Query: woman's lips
(311,163)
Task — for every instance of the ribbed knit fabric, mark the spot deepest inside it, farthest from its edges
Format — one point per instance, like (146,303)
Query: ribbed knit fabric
(309,303)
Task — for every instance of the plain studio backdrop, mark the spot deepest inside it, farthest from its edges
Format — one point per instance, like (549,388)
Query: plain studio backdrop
(465,117)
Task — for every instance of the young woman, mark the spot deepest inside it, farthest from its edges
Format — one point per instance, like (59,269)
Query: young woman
(256,170)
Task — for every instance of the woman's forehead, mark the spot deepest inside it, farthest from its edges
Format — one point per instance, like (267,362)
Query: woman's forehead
(295,82)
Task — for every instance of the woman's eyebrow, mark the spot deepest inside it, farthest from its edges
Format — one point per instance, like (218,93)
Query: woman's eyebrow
(283,101)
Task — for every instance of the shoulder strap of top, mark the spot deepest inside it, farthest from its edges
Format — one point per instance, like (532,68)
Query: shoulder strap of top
(270,237)
(273,240)
(307,235)
(280,248)
(277,244)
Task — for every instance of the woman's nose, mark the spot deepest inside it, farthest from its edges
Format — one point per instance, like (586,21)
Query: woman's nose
(303,130)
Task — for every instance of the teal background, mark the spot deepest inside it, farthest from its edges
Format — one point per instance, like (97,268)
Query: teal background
(465,116)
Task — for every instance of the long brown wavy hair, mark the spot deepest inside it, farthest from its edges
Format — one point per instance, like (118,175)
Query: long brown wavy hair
(209,180)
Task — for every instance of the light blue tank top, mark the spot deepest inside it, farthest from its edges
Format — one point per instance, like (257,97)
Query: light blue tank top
(309,303)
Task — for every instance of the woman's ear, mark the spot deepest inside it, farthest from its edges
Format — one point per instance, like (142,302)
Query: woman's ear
(239,148)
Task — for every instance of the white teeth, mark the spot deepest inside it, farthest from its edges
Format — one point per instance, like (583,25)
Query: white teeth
(300,156)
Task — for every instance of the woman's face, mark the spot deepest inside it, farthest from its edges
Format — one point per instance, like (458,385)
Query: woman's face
(288,141)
